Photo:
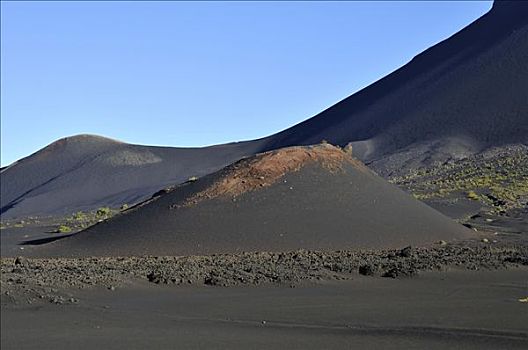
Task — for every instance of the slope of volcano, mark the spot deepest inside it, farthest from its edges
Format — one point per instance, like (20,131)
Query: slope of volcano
(314,197)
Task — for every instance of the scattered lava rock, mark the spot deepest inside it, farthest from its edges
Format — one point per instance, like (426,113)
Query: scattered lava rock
(366,270)
(154,277)
(392,273)
(21,261)
(406,252)
(30,279)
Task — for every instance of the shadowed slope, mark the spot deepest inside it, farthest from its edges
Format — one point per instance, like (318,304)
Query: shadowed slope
(314,198)
(461,96)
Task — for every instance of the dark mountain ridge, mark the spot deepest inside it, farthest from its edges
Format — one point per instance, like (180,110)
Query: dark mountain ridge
(469,91)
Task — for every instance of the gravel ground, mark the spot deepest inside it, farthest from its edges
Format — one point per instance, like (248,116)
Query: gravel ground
(30,280)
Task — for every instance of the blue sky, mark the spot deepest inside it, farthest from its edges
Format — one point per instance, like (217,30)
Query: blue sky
(198,73)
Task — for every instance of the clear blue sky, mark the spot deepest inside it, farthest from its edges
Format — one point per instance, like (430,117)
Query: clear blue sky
(198,73)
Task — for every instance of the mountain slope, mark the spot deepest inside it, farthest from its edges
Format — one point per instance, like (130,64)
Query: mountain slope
(462,96)
(85,172)
(315,197)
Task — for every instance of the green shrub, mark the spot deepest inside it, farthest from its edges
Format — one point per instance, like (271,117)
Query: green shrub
(472,195)
(103,212)
(63,229)
(79,216)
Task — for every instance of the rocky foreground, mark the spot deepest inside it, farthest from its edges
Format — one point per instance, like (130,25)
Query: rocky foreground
(27,280)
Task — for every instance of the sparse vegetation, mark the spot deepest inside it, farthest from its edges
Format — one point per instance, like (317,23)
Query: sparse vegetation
(11,223)
(83,219)
(103,212)
(63,229)
(79,216)
(473,195)
(498,179)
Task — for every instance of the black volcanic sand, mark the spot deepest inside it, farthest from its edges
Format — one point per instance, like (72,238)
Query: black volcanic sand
(339,300)
(12,237)
(456,310)
(312,208)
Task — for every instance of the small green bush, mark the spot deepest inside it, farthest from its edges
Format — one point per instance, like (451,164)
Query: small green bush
(79,216)
(63,229)
(472,195)
(103,212)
